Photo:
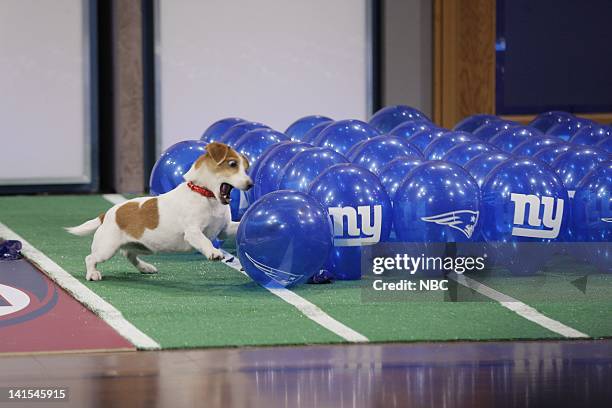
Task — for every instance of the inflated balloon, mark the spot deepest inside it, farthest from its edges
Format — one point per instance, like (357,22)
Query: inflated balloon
(592,216)
(437,202)
(235,132)
(464,152)
(564,130)
(605,144)
(533,145)
(377,152)
(298,129)
(315,130)
(424,137)
(442,144)
(387,118)
(255,142)
(488,130)
(344,134)
(305,166)
(524,202)
(546,120)
(395,171)
(410,127)
(218,129)
(480,166)
(550,153)
(471,123)
(575,163)
(266,179)
(360,211)
(168,171)
(284,239)
(590,135)
(507,140)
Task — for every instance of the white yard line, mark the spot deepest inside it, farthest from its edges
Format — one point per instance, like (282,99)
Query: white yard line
(82,293)
(518,307)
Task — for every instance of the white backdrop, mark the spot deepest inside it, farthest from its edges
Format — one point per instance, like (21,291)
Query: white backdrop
(44,109)
(271,61)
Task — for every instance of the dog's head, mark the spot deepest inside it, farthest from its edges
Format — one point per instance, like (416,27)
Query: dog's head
(219,170)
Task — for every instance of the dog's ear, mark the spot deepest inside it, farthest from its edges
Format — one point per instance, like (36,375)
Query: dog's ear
(217,151)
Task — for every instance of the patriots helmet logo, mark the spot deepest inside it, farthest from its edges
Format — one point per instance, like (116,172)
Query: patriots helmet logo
(607,219)
(281,277)
(462,220)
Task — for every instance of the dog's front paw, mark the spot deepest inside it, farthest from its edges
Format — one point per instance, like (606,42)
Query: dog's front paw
(94,276)
(215,255)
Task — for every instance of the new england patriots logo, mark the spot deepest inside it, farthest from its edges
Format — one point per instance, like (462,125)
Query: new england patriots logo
(281,277)
(607,219)
(462,220)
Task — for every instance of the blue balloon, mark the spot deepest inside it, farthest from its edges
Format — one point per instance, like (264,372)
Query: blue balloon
(590,135)
(361,214)
(533,145)
(507,140)
(410,127)
(442,144)
(375,153)
(424,137)
(218,129)
(392,175)
(592,216)
(314,131)
(464,152)
(605,144)
(550,153)
(284,239)
(575,163)
(546,120)
(305,166)
(480,166)
(267,177)
(176,160)
(437,202)
(564,130)
(235,132)
(298,129)
(471,123)
(389,117)
(254,143)
(488,130)
(344,134)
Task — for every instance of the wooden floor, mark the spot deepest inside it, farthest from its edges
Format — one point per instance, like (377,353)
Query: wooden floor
(521,374)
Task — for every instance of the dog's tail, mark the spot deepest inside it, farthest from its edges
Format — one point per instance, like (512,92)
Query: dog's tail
(86,228)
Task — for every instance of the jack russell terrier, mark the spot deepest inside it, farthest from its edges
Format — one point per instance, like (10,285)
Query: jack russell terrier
(180,220)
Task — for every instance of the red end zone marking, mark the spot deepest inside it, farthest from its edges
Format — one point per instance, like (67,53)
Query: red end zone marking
(38,316)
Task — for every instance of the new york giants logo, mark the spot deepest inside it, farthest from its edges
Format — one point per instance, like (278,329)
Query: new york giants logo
(355,226)
(551,217)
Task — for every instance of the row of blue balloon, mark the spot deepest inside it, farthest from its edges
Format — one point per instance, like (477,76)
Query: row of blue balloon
(400,170)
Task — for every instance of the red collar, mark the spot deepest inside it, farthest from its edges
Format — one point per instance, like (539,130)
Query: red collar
(203,191)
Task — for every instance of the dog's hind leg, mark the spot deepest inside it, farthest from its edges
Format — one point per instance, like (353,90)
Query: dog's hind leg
(141,265)
(102,249)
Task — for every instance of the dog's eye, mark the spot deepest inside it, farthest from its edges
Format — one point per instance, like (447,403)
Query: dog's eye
(232,163)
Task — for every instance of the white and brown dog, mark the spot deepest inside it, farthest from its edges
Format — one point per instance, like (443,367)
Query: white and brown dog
(180,220)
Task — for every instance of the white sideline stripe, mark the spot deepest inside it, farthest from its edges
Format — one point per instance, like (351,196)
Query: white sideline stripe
(82,293)
(518,307)
(310,310)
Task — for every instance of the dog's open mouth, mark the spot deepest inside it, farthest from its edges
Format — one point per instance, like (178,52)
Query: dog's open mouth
(224,193)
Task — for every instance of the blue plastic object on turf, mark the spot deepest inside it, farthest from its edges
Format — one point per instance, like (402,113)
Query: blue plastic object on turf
(507,140)
(605,144)
(590,135)
(575,163)
(377,152)
(546,120)
(298,129)
(533,145)
(10,250)
(361,214)
(342,135)
(305,166)
(550,153)
(480,166)
(464,152)
(235,132)
(314,131)
(266,179)
(255,142)
(218,129)
(284,239)
(442,144)
(423,138)
(176,160)
(409,128)
(395,171)
(488,130)
(471,123)
(389,117)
